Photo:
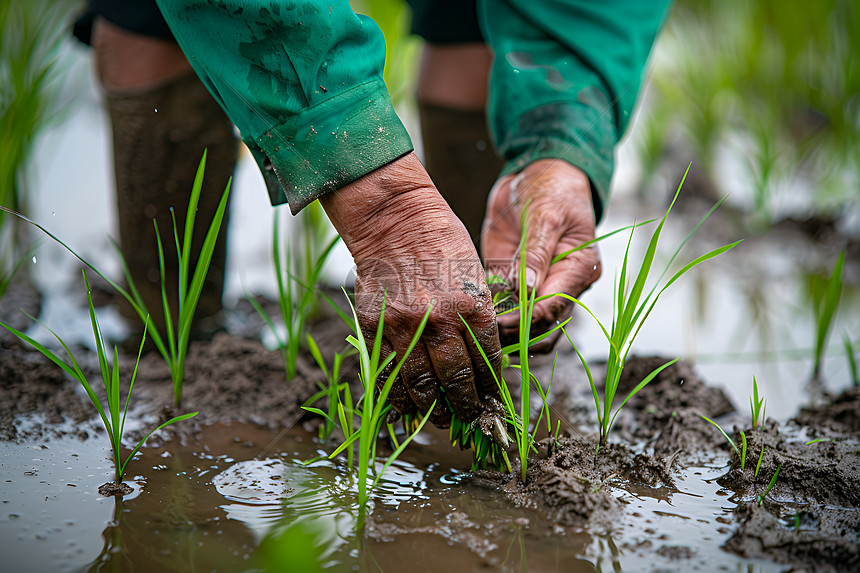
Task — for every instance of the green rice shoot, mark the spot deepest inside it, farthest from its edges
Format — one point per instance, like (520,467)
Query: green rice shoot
(112,414)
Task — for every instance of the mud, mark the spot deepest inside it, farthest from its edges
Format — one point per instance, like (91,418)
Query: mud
(568,481)
(812,514)
(30,382)
(839,416)
(230,378)
(668,412)
(809,520)
(113,489)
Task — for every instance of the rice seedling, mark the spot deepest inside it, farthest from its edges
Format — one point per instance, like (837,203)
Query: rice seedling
(757,406)
(332,390)
(489,439)
(632,306)
(739,78)
(825,309)
(190,286)
(112,415)
(741,455)
(372,409)
(758,463)
(526,312)
(296,295)
(769,485)
(757,411)
(174,348)
(30,44)
(178,337)
(849,355)
(628,315)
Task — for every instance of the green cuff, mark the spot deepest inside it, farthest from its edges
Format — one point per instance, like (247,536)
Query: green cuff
(578,134)
(329,145)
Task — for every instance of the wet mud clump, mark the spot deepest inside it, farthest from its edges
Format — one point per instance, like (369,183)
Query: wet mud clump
(230,378)
(841,415)
(113,489)
(668,411)
(568,483)
(812,513)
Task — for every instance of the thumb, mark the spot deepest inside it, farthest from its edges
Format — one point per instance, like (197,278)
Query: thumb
(541,238)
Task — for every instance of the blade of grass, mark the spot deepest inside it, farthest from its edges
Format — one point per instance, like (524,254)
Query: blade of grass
(725,435)
(113,420)
(769,485)
(826,311)
(758,463)
(852,362)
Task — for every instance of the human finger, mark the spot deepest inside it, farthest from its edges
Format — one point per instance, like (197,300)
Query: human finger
(485,343)
(453,365)
(572,275)
(422,385)
(398,395)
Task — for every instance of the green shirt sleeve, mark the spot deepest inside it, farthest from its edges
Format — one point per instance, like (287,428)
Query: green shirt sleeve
(565,78)
(302,81)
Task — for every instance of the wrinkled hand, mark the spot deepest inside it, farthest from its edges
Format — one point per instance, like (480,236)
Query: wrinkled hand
(560,216)
(410,248)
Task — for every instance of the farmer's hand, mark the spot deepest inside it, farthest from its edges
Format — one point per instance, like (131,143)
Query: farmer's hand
(407,242)
(559,217)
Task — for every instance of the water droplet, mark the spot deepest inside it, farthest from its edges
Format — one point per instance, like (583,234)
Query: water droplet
(34,259)
(594,268)
(156,110)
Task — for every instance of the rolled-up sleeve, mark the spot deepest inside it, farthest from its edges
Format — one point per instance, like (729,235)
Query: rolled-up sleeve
(302,81)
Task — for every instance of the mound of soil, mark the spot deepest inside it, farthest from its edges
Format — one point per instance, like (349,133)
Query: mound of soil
(668,411)
(812,514)
(568,481)
(824,473)
(227,379)
(840,416)
(31,384)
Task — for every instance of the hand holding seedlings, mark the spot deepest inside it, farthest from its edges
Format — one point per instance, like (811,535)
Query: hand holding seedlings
(411,251)
(560,217)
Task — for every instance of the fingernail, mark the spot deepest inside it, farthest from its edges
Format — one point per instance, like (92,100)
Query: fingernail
(500,433)
(531,278)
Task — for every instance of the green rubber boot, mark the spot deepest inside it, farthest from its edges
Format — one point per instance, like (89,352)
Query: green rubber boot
(158,139)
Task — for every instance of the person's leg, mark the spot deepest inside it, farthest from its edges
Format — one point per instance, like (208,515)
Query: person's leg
(162,118)
(458,152)
(452,93)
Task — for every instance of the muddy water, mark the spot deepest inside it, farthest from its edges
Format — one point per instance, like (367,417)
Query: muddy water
(208,506)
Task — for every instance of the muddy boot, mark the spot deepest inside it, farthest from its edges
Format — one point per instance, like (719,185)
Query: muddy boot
(159,136)
(459,155)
